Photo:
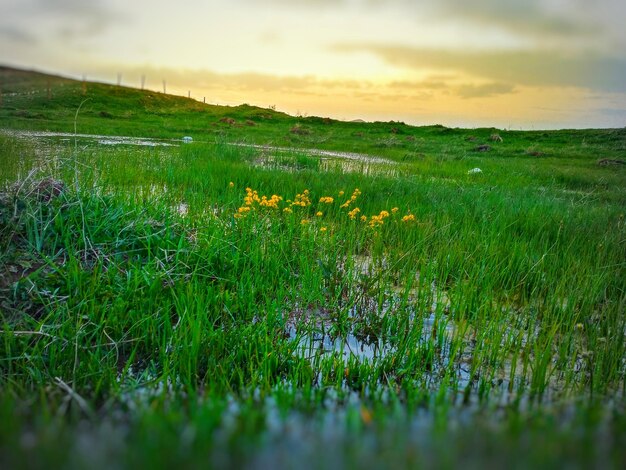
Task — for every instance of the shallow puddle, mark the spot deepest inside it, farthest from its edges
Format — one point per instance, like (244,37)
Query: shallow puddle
(320,344)
(99,139)
(357,157)
(327,164)
(286,159)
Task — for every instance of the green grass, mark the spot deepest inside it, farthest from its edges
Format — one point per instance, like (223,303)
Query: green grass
(146,322)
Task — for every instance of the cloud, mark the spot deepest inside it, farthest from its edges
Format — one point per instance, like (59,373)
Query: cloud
(310,85)
(537,20)
(66,19)
(79,17)
(485,90)
(432,83)
(523,67)
(89,10)
(534,17)
(247,81)
(298,3)
(17,36)
(451,85)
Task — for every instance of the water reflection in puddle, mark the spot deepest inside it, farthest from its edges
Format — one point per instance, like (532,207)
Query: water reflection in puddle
(327,164)
(100,139)
(321,344)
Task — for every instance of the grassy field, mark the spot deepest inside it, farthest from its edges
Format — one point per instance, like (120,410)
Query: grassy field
(211,304)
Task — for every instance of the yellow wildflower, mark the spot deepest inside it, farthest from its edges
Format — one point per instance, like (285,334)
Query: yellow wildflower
(302,200)
(377,220)
(304,221)
(323,229)
(366,416)
(288,210)
(355,194)
(251,197)
(326,199)
(231,185)
(408,218)
(271,202)
(319,214)
(341,193)
(353,213)
(394,210)
(363,218)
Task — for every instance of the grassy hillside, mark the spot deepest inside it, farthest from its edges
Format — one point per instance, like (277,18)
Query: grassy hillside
(113,110)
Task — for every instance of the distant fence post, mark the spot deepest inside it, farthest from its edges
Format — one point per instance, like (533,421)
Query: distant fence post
(143,81)
(164,87)
(189,94)
(119,79)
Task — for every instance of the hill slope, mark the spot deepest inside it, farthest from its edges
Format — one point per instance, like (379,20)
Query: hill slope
(37,101)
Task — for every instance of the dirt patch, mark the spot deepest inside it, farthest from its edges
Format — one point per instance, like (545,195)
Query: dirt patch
(611,162)
(300,130)
(47,189)
(20,267)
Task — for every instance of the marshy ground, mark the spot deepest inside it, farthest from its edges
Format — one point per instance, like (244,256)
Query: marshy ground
(265,304)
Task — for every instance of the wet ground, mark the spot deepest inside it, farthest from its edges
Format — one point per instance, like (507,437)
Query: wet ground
(281,158)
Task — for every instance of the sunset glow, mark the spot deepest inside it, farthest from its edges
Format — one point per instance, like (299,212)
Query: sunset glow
(509,64)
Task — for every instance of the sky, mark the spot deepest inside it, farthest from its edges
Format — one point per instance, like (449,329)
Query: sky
(511,64)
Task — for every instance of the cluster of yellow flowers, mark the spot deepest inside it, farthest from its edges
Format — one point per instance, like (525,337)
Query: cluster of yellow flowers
(252,197)
(353,213)
(377,220)
(355,194)
(302,200)
(271,202)
(252,200)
